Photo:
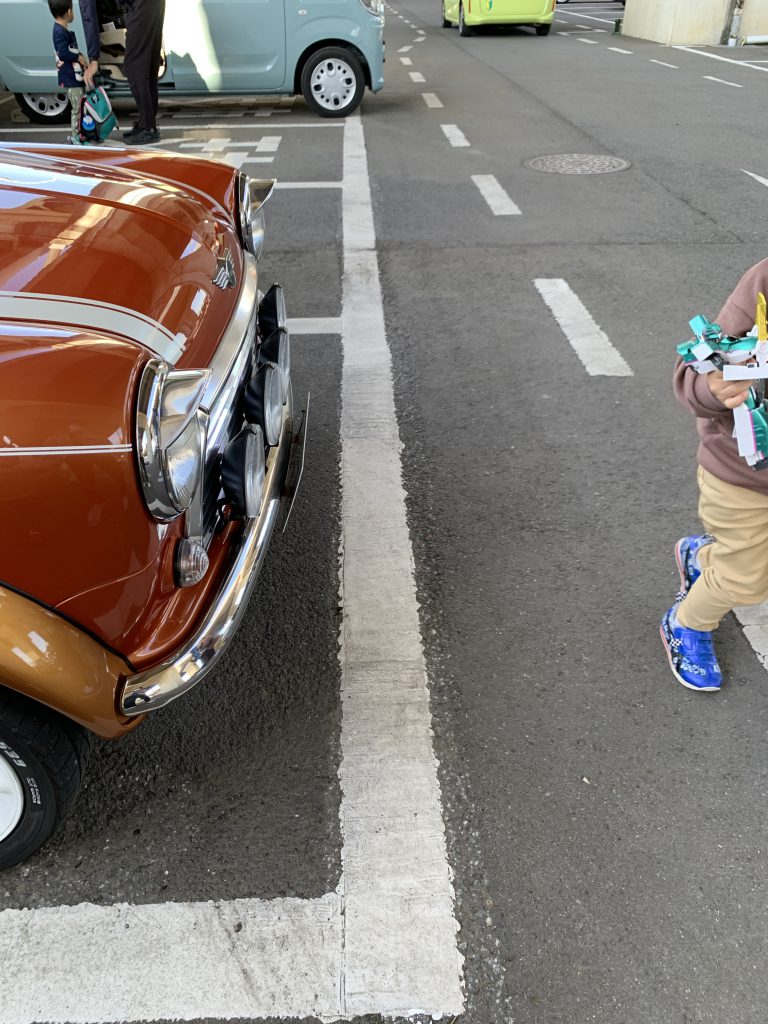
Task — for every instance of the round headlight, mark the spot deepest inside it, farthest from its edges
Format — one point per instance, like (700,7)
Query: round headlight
(263,401)
(243,470)
(183,459)
(277,349)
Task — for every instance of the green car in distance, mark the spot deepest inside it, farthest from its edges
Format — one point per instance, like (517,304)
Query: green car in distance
(467,14)
(327,50)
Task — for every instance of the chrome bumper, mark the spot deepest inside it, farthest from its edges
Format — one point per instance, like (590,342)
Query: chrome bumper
(157,687)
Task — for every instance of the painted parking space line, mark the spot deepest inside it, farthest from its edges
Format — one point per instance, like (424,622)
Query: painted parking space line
(432,101)
(455,135)
(405,49)
(722,81)
(757,177)
(664,64)
(718,56)
(618,49)
(406,61)
(588,17)
(592,42)
(495,195)
(589,342)
(419,39)
(416,76)
(385,942)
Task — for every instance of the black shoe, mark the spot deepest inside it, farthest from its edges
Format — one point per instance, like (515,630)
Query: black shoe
(132,130)
(146,137)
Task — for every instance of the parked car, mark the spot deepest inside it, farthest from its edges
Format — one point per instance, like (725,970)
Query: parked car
(148,441)
(468,14)
(327,51)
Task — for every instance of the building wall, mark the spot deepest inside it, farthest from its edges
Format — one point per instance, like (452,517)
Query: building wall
(755,19)
(680,22)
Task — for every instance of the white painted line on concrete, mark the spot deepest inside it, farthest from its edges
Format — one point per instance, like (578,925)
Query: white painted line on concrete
(588,341)
(664,64)
(416,76)
(717,56)
(431,100)
(582,26)
(419,39)
(308,184)
(587,17)
(405,49)
(406,61)
(757,177)
(722,81)
(421,31)
(592,42)
(455,135)
(314,325)
(385,942)
(618,49)
(495,196)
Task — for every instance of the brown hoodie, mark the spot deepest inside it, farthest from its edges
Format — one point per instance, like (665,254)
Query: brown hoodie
(718,452)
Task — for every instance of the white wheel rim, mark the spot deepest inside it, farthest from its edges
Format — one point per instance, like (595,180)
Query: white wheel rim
(11,799)
(333,84)
(47,104)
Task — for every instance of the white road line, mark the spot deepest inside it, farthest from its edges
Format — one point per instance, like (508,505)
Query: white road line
(588,341)
(455,135)
(617,49)
(664,64)
(406,61)
(722,81)
(385,942)
(592,42)
(717,56)
(405,49)
(431,100)
(757,177)
(416,76)
(495,196)
(314,325)
(754,622)
(583,26)
(588,17)
(419,39)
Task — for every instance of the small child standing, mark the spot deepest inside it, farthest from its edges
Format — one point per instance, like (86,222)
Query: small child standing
(726,567)
(69,60)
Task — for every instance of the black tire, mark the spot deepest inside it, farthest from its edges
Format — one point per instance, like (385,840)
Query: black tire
(543,30)
(445,23)
(45,108)
(46,754)
(341,69)
(464,29)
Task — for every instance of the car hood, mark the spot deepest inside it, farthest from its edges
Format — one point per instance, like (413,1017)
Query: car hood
(111,249)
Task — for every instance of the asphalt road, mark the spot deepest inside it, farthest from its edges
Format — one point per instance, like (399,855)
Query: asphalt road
(604,825)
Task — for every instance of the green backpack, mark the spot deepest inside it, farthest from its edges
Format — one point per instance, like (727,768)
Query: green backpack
(96,120)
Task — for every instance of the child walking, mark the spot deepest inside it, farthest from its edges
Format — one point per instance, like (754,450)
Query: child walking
(69,61)
(726,567)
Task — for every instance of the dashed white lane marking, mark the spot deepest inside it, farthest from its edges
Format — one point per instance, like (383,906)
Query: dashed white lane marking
(431,100)
(416,76)
(593,42)
(664,64)
(757,177)
(618,49)
(419,39)
(495,196)
(455,135)
(589,342)
(406,61)
(722,81)
(314,325)
(717,56)
(405,49)
(385,942)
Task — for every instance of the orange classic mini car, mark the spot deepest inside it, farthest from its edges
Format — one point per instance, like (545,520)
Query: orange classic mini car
(148,444)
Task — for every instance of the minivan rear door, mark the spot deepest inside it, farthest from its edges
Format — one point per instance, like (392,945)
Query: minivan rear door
(226,45)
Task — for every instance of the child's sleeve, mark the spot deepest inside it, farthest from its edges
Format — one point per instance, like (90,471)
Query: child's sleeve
(692,392)
(64,51)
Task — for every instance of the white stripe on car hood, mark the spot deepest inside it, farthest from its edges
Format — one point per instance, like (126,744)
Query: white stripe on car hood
(96,316)
(70,449)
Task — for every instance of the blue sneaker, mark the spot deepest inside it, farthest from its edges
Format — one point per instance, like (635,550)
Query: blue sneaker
(691,655)
(685,552)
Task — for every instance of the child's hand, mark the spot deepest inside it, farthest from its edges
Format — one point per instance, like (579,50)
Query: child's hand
(81,60)
(730,392)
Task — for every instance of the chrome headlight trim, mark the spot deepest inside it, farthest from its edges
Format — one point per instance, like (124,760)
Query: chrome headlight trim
(168,417)
(253,194)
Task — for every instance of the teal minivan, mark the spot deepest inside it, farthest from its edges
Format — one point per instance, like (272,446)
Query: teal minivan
(327,50)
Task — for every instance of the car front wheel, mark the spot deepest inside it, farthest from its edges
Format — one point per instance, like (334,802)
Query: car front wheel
(44,107)
(464,28)
(332,82)
(42,762)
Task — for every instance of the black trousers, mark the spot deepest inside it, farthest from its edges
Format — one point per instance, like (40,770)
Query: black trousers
(143,51)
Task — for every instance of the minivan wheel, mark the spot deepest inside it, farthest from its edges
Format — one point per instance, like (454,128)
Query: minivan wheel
(42,762)
(543,30)
(445,22)
(464,28)
(332,82)
(44,107)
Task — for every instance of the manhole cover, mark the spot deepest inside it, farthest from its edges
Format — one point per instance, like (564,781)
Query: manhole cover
(577,163)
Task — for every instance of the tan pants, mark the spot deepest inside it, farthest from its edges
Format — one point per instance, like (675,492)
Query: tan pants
(74,95)
(735,567)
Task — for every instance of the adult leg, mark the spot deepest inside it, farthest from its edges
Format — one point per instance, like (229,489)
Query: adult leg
(735,567)
(139,42)
(157,57)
